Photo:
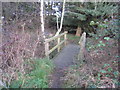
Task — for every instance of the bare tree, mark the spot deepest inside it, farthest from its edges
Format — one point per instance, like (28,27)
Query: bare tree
(63,11)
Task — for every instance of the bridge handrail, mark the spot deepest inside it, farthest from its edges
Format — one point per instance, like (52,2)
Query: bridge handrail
(59,42)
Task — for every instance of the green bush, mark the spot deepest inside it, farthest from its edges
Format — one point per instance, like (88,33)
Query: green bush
(37,77)
(107,28)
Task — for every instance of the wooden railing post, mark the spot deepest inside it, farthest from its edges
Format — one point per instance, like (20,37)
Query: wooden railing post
(82,46)
(58,42)
(65,38)
(47,49)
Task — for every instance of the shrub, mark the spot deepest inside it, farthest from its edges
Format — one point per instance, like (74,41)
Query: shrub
(37,77)
(106,28)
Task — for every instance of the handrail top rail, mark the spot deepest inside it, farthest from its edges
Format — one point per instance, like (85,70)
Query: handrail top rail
(53,38)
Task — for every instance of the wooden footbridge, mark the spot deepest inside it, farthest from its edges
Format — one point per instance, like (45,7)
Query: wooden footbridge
(65,57)
(69,51)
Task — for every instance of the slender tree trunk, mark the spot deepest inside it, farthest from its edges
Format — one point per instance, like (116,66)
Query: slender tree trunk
(42,18)
(42,28)
(63,11)
(57,22)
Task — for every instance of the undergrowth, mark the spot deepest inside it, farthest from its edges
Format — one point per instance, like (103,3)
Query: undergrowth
(78,76)
(37,76)
(103,71)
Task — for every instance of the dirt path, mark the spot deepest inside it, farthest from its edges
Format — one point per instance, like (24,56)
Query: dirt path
(63,60)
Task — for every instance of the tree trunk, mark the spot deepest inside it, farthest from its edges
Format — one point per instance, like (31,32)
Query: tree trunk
(42,28)
(57,22)
(42,18)
(63,11)
(79,31)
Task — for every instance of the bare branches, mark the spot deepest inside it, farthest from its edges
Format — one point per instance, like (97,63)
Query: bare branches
(63,11)
(18,46)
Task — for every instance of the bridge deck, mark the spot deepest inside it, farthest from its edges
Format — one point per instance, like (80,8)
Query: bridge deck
(66,56)
(63,60)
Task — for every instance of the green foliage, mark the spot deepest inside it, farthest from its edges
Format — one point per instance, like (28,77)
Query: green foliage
(102,71)
(91,46)
(100,44)
(113,28)
(117,56)
(73,38)
(116,73)
(37,77)
(107,71)
(77,15)
(92,23)
(106,38)
(81,14)
(109,28)
(106,65)
(102,26)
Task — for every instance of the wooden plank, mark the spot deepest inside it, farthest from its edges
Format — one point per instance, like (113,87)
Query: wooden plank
(55,47)
(55,37)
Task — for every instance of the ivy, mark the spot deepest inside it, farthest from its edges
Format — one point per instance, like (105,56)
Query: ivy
(103,71)
(107,38)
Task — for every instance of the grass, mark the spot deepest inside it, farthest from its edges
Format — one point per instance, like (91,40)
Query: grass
(38,77)
(73,38)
